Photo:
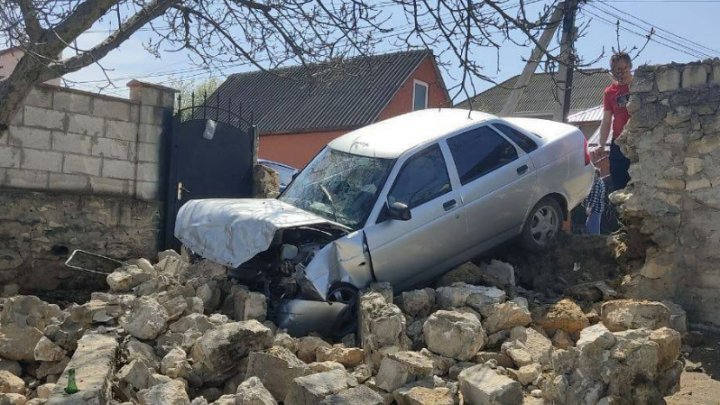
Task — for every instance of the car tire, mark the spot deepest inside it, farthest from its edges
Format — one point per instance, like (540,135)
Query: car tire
(346,321)
(542,225)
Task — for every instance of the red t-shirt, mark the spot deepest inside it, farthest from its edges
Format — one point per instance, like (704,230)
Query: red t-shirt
(615,100)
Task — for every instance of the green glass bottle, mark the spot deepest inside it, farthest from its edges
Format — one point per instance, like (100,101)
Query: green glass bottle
(71,385)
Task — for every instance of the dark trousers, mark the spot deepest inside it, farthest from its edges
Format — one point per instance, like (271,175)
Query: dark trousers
(619,166)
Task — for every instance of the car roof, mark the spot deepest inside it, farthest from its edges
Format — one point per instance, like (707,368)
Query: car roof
(392,137)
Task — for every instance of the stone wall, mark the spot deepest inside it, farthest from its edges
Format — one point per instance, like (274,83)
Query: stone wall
(69,140)
(673,140)
(38,231)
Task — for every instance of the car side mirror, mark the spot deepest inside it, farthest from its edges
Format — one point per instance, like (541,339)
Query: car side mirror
(398,211)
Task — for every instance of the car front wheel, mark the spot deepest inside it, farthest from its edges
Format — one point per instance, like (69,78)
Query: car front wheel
(542,225)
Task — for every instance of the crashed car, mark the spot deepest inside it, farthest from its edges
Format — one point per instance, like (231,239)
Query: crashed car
(401,201)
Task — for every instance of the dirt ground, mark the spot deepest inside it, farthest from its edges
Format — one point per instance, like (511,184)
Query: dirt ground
(701,387)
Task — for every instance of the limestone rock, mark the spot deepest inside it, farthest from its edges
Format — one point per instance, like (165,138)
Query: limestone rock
(147,319)
(418,302)
(531,341)
(678,317)
(501,359)
(347,356)
(308,346)
(135,373)
(453,334)
(137,350)
(483,385)
(314,388)
(669,343)
(474,296)
(10,383)
(620,315)
(562,340)
(169,393)
(360,395)
(506,315)
(29,310)
(424,396)
(323,366)
(175,364)
(498,273)
(276,369)
(216,353)
(13,399)
(381,328)
(242,304)
(528,373)
(564,315)
(383,288)
(46,350)
(18,342)
(45,390)
(564,361)
(11,366)
(252,392)
(398,369)
(284,340)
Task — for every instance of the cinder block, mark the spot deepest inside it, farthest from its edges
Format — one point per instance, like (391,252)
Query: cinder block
(147,172)
(42,160)
(26,179)
(59,181)
(79,164)
(86,125)
(168,99)
(44,118)
(64,100)
(151,115)
(111,186)
(113,109)
(147,190)
(150,96)
(667,79)
(695,75)
(3,177)
(150,133)
(39,97)
(148,152)
(111,148)
(17,119)
(125,131)
(118,169)
(26,137)
(134,112)
(10,156)
(73,143)
(4,135)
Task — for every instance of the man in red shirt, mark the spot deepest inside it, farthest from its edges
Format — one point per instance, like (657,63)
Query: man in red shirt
(615,101)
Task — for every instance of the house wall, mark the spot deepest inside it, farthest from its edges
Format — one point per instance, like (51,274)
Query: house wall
(673,141)
(79,171)
(299,148)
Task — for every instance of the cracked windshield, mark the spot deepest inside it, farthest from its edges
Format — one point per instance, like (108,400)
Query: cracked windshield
(339,186)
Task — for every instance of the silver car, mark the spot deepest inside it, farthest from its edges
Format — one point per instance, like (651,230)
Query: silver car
(403,201)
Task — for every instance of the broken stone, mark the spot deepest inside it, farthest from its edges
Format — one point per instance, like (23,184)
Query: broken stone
(424,396)
(11,366)
(348,357)
(13,399)
(668,382)
(29,310)
(360,395)
(314,388)
(496,339)
(596,337)
(175,307)
(286,341)
(45,390)
(564,315)
(506,316)
(669,342)
(48,368)
(10,383)
(497,273)
(474,296)
(418,302)
(211,393)
(198,322)
(242,304)
(562,340)
(453,334)
(323,366)
(528,373)
(137,350)
(175,364)
(619,315)
(381,328)
(531,341)
(483,385)
(276,369)
(398,369)
(136,373)
(678,317)
(157,379)
(458,368)
(383,288)
(216,353)
(564,361)
(169,393)
(362,373)
(501,359)
(253,392)
(46,350)
(18,342)
(308,346)
(146,320)
(441,364)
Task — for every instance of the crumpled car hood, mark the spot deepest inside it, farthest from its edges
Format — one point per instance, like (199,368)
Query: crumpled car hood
(232,231)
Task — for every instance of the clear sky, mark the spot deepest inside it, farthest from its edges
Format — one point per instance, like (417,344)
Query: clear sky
(685,30)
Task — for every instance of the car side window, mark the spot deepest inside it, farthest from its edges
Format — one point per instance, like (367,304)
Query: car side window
(522,140)
(422,178)
(480,151)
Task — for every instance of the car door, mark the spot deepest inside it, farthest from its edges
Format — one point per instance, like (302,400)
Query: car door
(497,179)
(405,253)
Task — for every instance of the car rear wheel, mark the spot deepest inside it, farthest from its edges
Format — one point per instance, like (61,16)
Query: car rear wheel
(542,225)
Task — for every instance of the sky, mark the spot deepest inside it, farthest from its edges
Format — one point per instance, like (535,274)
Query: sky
(685,31)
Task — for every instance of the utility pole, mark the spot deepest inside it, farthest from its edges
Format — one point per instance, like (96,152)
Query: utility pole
(532,64)
(567,61)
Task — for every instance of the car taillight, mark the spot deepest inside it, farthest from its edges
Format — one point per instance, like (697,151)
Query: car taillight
(587,152)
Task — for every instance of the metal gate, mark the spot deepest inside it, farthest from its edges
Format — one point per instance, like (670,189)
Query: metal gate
(211,154)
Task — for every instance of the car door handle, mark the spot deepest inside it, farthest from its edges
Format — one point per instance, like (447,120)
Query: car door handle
(448,205)
(522,169)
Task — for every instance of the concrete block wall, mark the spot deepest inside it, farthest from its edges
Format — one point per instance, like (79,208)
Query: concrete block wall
(673,141)
(69,140)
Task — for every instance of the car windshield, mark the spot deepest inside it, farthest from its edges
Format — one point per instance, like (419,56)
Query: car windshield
(339,186)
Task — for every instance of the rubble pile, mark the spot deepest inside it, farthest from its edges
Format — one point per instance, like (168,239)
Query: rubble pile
(177,332)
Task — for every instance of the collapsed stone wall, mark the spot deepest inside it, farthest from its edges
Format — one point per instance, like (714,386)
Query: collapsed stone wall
(38,231)
(673,141)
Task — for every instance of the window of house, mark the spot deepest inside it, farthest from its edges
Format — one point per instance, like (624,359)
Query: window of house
(522,140)
(420,95)
(480,151)
(422,178)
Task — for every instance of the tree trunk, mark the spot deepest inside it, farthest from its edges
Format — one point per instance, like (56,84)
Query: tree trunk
(16,87)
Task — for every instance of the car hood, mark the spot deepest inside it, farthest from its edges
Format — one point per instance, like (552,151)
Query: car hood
(232,231)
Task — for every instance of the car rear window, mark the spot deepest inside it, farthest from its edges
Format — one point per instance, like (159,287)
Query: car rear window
(522,140)
(480,151)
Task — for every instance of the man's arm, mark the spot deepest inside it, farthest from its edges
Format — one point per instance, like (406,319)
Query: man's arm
(605,128)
